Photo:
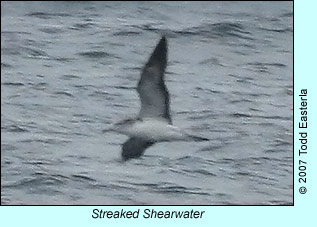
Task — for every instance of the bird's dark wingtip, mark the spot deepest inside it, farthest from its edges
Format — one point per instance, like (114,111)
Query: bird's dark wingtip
(159,55)
(163,43)
(163,39)
(161,47)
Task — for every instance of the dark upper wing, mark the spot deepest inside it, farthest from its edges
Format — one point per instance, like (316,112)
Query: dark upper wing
(152,90)
(134,148)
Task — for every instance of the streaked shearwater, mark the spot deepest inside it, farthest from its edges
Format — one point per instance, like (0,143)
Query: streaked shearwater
(154,123)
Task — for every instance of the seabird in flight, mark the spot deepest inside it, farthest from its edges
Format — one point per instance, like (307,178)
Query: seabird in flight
(154,123)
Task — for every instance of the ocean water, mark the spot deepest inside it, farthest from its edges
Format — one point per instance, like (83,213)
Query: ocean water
(69,71)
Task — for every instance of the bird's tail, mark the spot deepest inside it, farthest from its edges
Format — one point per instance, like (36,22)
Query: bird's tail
(198,138)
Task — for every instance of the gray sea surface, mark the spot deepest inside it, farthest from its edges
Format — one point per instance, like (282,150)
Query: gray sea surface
(69,72)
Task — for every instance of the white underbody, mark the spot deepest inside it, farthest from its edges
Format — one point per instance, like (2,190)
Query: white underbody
(156,130)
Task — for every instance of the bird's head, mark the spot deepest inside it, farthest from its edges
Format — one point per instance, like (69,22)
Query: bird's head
(123,126)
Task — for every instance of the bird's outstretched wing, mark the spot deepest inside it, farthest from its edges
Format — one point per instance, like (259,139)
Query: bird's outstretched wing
(151,87)
(134,148)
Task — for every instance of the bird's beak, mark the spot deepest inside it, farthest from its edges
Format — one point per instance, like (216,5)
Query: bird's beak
(110,129)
